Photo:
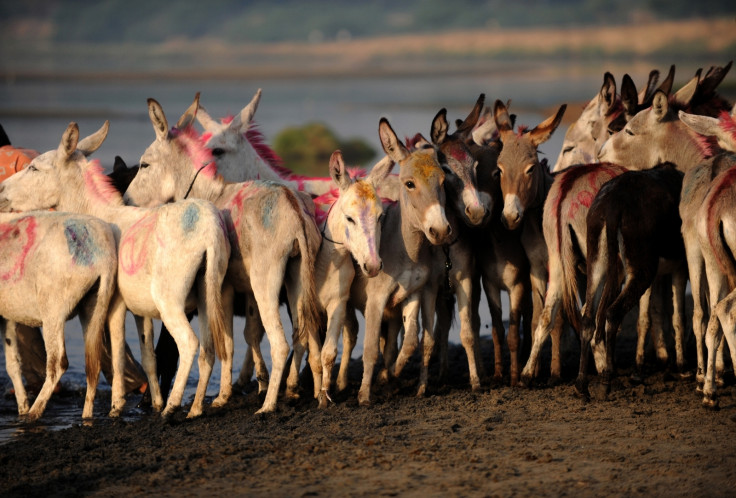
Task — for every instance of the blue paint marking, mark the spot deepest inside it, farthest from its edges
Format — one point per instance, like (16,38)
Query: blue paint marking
(190,218)
(269,209)
(80,243)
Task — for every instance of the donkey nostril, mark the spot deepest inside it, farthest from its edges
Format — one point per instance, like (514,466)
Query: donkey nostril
(380,267)
(432,232)
(449,230)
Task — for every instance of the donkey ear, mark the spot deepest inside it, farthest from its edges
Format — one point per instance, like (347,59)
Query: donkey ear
(204,119)
(439,127)
(465,128)
(608,91)
(546,128)
(629,97)
(186,119)
(93,142)
(390,142)
(685,94)
(380,171)
(703,125)
(69,141)
(660,106)
(158,118)
(501,117)
(666,85)
(338,173)
(246,115)
(648,92)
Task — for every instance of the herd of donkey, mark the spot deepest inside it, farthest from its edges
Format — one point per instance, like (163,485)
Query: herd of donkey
(210,222)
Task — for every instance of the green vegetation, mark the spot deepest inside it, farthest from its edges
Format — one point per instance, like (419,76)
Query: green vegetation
(307,149)
(143,21)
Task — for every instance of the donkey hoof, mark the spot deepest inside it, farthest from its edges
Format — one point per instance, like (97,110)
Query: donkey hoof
(422,391)
(581,391)
(364,398)
(711,403)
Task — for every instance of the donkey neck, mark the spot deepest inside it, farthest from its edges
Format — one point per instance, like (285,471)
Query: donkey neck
(96,196)
(412,236)
(334,230)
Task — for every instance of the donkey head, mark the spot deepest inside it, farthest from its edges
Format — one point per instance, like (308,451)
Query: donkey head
(722,128)
(54,175)
(653,136)
(169,164)
(453,151)
(585,137)
(360,212)
(229,143)
(422,196)
(521,174)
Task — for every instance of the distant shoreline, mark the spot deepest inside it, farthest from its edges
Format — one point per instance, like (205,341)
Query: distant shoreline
(465,52)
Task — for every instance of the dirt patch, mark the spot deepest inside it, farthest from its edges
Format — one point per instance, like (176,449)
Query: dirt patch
(645,439)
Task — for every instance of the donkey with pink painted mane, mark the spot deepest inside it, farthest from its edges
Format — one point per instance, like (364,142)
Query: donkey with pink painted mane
(151,283)
(274,239)
(241,155)
(52,267)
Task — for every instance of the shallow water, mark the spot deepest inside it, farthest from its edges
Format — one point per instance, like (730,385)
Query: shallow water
(35,114)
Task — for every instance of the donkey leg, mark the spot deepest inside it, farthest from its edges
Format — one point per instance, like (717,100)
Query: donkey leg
(349,339)
(410,317)
(148,359)
(643,326)
(335,320)
(226,369)
(713,336)
(373,314)
(463,292)
(547,319)
(493,294)
(442,332)
(393,328)
(13,363)
(116,326)
(187,344)
(56,364)
(429,299)
(205,363)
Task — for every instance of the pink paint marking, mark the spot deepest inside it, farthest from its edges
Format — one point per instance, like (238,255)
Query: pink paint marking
(193,145)
(99,185)
(16,239)
(134,245)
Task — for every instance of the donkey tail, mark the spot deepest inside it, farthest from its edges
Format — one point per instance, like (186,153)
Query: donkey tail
(568,260)
(308,241)
(613,280)
(94,336)
(217,256)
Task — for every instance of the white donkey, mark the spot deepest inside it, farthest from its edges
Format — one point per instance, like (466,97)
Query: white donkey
(352,230)
(161,255)
(241,154)
(274,240)
(53,266)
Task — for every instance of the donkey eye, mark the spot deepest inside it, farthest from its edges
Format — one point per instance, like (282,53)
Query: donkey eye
(629,132)
(144,165)
(410,185)
(32,168)
(350,220)
(217,152)
(567,149)
(529,170)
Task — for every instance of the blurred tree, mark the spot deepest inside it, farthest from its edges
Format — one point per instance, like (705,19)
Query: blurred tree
(306,150)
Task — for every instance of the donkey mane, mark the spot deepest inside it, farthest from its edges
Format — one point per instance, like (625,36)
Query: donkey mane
(99,185)
(193,145)
(727,123)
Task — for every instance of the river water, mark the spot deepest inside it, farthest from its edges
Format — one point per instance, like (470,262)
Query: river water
(35,114)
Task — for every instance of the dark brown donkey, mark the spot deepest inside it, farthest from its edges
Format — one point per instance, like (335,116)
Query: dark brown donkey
(626,249)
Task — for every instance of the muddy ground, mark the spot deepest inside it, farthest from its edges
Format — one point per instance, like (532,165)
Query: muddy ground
(648,439)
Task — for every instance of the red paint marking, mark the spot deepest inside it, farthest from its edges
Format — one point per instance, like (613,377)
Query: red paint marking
(16,239)
(727,180)
(135,243)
